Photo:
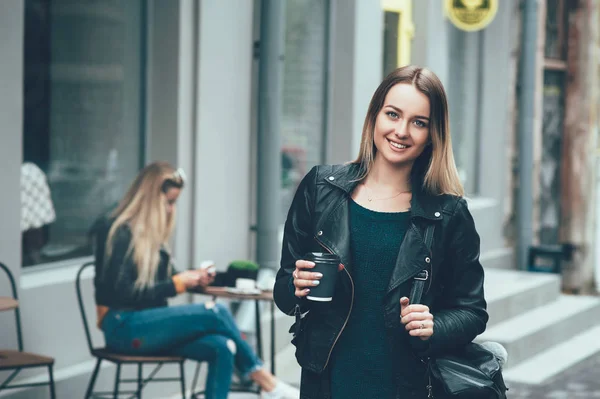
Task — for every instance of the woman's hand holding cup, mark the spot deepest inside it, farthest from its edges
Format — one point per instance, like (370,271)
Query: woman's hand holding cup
(304,279)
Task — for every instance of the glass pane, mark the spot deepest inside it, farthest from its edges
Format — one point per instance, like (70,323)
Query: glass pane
(304,85)
(82,130)
(555,29)
(390,41)
(553,114)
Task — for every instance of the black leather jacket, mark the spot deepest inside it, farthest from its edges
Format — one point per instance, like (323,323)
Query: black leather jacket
(114,281)
(441,238)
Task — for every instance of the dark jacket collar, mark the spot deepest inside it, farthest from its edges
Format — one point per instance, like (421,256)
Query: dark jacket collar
(423,205)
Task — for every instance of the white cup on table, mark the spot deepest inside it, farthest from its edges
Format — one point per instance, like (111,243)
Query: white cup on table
(245,284)
(209,266)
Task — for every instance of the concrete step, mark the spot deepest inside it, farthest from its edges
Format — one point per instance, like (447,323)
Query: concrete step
(551,362)
(508,292)
(535,330)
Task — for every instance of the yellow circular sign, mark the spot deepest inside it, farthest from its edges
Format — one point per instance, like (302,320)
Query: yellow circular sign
(471,15)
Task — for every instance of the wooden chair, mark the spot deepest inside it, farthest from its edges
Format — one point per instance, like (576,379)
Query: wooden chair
(120,360)
(18,360)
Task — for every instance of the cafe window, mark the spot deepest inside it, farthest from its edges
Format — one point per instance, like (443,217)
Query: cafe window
(398,32)
(82,122)
(304,93)
(555,47)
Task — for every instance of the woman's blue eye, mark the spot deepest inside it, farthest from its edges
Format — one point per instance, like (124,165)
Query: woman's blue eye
(420,123)
(392,114)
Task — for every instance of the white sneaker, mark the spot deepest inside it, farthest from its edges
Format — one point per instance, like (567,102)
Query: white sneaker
(282,391)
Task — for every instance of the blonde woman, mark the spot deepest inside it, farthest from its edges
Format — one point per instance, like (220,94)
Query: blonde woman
(135,277)
(394,212)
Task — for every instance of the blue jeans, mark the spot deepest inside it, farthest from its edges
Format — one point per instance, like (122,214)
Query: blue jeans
(202,332)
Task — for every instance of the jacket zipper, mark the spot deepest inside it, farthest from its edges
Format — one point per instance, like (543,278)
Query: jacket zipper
(349,311)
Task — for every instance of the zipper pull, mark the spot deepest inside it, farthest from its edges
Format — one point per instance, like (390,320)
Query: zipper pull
(298,315)
(429,388)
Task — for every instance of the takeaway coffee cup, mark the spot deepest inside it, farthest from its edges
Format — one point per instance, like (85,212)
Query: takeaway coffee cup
(326,264)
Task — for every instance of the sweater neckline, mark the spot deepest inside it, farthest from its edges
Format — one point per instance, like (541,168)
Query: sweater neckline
(378,214)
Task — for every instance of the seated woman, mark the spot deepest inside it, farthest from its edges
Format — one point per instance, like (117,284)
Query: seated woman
(135,276)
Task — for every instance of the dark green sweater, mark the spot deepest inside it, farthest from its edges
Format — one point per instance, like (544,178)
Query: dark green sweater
(362,360)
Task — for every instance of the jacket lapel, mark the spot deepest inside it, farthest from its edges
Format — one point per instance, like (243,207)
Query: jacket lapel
(334,230)
(413,257)
(334,225)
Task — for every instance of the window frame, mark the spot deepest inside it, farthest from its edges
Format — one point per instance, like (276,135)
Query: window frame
(406,28)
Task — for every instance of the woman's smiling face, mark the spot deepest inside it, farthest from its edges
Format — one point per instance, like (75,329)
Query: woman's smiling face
(402,126)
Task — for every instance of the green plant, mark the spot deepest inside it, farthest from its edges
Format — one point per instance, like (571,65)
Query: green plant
(243,265)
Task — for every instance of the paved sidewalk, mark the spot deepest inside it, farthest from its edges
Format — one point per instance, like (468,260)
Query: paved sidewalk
(581,381)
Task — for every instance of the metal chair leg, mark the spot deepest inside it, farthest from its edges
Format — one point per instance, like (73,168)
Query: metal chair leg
(51,382)
(117,378)
(140,381)
(195,382)
(182,378)
(92,382)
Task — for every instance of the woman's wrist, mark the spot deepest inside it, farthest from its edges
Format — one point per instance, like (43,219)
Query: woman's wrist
(179,284)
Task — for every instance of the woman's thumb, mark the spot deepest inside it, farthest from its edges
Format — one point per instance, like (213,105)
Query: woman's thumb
(404,302)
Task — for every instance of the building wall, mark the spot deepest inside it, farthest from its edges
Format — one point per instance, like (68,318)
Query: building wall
(11,122)
(478,94)
(355,72)
(578,157)
(494,129)
(430,42)
(368,62)
(223,130)
(595,122)
(341,104)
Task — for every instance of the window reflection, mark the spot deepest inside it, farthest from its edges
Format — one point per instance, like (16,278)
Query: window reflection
(83,70)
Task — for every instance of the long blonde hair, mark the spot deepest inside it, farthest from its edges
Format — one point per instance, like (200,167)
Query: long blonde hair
(435,167)
(143,211)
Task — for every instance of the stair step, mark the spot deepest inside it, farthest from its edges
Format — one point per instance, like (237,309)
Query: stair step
(551,362)
(508,292)
(536,330)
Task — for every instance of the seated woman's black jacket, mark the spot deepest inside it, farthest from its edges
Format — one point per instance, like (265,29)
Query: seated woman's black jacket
(115,278)
(318,221)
